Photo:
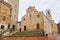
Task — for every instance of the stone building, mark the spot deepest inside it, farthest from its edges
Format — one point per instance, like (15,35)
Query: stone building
(14,17)
(5,15)
(58,26)
(19,26)
(33,20)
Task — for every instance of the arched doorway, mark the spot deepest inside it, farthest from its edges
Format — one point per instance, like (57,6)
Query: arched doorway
(20,30)
(2,26)
(24,27)
(8,26)
(13,27)
(38,27)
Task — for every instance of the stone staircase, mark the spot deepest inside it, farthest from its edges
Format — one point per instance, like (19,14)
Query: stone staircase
(8,33)
(29,33)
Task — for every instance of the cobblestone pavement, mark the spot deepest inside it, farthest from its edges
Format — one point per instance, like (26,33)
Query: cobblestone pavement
(49,37)
(54,37)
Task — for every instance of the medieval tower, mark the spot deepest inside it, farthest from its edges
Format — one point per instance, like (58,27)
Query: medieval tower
(48,14)
(14,15)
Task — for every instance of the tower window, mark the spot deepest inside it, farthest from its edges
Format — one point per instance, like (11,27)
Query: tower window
(4,10)
(48,12)
(10,12)
(24,19)
(4,18)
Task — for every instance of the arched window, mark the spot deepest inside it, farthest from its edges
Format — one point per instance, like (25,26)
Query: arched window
(30,15)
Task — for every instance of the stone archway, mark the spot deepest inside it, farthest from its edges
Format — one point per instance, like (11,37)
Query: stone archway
(2,26)
(8,26)
(20,30)
(13,27)
(24,27)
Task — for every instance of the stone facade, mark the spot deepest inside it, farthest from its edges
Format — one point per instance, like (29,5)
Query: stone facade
(33,20)
(8,16)
(5,15)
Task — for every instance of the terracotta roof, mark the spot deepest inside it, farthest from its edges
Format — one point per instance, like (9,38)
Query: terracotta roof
(6,3)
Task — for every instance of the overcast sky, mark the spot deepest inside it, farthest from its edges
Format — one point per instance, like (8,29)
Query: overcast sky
(41,5)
